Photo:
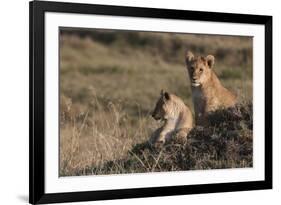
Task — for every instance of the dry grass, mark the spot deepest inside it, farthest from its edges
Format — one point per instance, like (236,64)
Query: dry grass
(109,82)
(105,134)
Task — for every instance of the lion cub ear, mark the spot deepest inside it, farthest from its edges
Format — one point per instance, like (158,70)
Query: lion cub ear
(189,57)
(167,96)
(210,60)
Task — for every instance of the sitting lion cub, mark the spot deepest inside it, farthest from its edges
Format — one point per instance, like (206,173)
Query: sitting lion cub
(208,94)
(176,116)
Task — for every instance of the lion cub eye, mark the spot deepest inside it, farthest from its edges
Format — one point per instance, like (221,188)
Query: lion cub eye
(201,70)
(192,68)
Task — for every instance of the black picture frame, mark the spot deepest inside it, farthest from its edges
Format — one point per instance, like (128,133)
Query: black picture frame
(37,10)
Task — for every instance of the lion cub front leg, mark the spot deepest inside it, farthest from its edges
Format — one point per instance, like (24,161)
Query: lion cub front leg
(161,138)
(165,134)
(160,141)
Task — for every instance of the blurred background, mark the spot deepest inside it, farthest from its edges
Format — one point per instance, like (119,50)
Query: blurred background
(111,80)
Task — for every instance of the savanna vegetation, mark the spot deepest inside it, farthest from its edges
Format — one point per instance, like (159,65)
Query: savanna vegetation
(109,84)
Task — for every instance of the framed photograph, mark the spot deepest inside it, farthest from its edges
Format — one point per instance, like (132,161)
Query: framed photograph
(130,102)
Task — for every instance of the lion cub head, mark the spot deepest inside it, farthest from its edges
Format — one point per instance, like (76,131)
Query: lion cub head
(199,68)
(164,106)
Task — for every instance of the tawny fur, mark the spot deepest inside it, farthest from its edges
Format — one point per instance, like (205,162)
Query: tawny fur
(208,94)
(176,116)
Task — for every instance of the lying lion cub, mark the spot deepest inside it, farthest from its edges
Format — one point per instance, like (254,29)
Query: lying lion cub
(208,94)
(177,119)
